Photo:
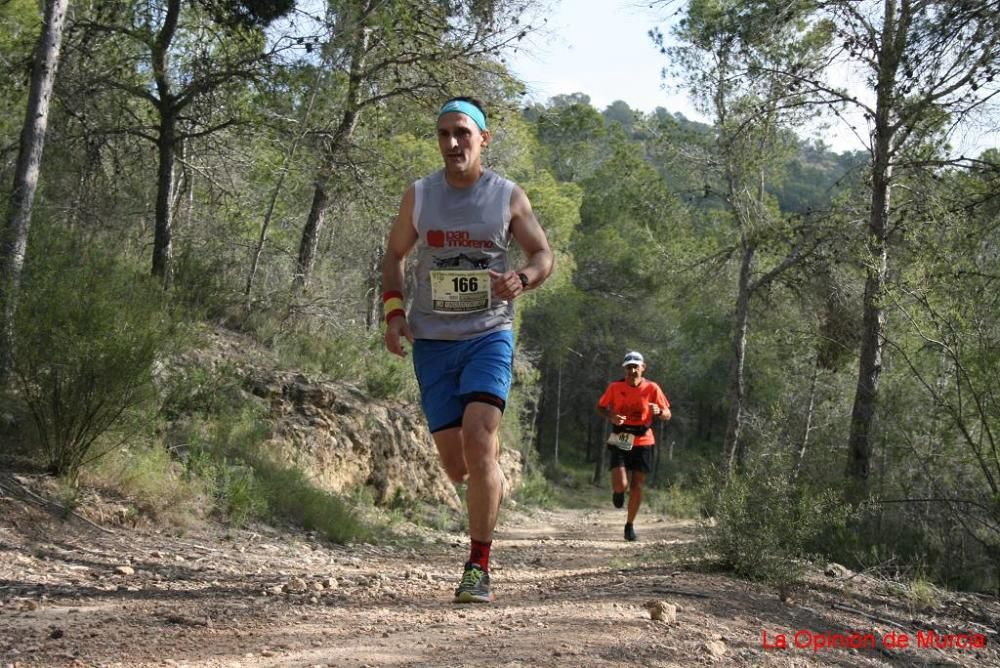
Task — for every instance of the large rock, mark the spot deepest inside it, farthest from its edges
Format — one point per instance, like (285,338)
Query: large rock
(342,438)
(346,439)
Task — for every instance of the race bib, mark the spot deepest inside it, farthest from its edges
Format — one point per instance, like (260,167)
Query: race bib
(460,290)
(622,441)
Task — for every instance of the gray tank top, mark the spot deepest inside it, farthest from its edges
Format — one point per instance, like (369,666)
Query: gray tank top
(461,233)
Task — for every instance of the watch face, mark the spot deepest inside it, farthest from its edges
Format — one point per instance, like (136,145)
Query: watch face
(524,280)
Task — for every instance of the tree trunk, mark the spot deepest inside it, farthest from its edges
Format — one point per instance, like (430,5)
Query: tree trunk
(555,448)
(264,228)
(873,328)
(14,242)
(804,444)
(540,431)
(181,202)
(373,309)
(869,372)
(165,144)
(589,457)
(163,231)
(259,248)
(86,187)
(529,437)
(266,224)
(656,460)
(737,384)
(602,451)
(309,242)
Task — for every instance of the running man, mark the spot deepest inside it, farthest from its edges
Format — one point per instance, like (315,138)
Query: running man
(461,220)
(630,405)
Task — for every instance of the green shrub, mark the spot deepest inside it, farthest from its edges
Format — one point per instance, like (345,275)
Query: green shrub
(766,525)
(242,494)
(535,490)
(922,593)
(203,282)
(192,390)
(67,497)
(439,516)
(675,501)
(152,480)
(348,352)
(218,451)
(388,378)
(88,329)
(225,452)
(292,497)
(337,355)
(402,506)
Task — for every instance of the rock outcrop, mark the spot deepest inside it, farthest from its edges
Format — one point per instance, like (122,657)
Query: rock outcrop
(346,439)
(337,434)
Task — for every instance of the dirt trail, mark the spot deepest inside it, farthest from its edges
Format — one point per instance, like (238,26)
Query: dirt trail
(571,592)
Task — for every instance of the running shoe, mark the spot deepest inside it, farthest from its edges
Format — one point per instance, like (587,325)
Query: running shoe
(475,586)
(630,533)
(618,498)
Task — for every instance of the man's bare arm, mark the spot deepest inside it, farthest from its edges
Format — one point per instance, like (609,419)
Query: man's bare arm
(530,236)
(402,238)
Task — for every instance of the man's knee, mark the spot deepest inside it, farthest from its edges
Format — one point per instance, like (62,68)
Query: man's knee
(479,460)
(479,433)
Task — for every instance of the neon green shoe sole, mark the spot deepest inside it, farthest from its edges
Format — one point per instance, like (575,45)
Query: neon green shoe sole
(475,586)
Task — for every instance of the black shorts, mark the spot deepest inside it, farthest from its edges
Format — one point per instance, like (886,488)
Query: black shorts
(639,458)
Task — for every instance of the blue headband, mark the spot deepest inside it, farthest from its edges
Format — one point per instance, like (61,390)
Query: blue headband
(467,108)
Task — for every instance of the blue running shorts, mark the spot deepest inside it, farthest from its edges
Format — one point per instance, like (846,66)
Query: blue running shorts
(453,373)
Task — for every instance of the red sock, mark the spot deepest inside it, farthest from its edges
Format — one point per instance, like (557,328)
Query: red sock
(480,554)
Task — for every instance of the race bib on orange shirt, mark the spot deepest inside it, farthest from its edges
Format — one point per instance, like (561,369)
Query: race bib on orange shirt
(622,441)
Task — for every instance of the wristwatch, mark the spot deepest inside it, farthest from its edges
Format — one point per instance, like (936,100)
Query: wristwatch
(524,280)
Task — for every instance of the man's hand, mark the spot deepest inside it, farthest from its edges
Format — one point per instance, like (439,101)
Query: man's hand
(506,285)
(662,413)
(397,328)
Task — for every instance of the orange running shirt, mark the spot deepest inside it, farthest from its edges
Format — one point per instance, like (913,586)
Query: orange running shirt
(633,403)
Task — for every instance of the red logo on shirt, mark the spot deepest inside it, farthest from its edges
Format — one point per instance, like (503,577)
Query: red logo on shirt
(455,239)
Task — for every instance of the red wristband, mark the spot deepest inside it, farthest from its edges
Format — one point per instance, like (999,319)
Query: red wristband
(389,294)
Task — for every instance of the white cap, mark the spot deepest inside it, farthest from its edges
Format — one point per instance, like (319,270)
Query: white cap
(633,358)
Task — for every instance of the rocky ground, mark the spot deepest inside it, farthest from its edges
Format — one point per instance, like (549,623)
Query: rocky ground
(570,592)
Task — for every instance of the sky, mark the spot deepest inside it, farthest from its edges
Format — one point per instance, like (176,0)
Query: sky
(601,48)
